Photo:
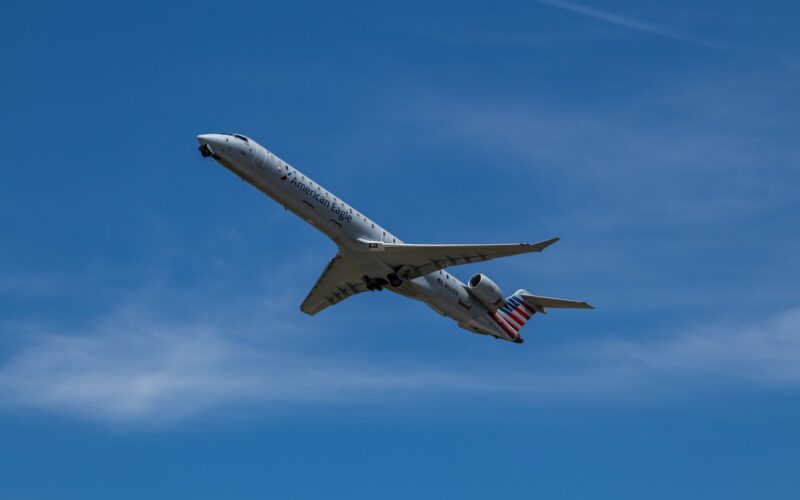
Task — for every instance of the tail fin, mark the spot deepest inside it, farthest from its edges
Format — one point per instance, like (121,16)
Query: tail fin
(516,312)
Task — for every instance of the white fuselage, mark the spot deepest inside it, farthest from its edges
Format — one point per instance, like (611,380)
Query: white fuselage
(351,230)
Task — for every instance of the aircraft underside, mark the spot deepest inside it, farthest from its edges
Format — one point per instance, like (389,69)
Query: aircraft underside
(370,258)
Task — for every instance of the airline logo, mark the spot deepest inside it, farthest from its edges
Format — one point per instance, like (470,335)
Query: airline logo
(512,316)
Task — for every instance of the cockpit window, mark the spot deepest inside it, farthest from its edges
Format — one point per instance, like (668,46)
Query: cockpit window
(245,139)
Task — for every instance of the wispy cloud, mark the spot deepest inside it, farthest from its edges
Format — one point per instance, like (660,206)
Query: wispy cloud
(645,27)
(695,151)
(765,351)
(631,23)
(134,366)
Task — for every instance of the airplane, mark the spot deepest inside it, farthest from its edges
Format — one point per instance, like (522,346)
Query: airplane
(370,258)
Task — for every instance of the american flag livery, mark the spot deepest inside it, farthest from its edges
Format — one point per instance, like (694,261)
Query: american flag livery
(513,316)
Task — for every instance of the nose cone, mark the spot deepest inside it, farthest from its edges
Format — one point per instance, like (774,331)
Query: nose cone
(208,139)
(209,145)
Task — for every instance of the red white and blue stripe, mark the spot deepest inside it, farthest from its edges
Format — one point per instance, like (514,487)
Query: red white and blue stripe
(512,316)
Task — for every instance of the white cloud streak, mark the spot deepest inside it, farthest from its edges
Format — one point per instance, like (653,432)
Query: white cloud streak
(133,369)
(710,152)
(645,27)
(133,366)
(763,353)
(631,23)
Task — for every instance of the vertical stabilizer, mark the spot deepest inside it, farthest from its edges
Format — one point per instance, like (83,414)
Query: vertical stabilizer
(515,313)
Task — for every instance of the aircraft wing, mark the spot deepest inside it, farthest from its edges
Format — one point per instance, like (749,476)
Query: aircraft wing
(340,279)
(541,303)
(423,259)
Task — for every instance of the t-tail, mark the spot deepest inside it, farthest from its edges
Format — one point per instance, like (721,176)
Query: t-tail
(520,307)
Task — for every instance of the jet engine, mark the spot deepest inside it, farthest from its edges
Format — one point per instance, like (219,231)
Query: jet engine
(486,291)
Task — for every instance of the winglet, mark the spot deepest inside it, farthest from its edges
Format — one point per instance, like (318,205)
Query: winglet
(538,247)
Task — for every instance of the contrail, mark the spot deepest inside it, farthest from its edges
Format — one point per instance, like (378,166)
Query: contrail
(645,27)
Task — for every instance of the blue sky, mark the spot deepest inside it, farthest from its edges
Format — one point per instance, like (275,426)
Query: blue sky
(151,343)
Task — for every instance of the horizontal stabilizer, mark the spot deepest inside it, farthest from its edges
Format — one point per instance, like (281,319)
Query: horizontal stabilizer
(540,303)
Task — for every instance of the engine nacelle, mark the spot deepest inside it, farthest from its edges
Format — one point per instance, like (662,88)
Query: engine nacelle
(486,291)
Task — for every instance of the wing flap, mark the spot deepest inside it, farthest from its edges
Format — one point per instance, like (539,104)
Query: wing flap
(423,259)
(340,279)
